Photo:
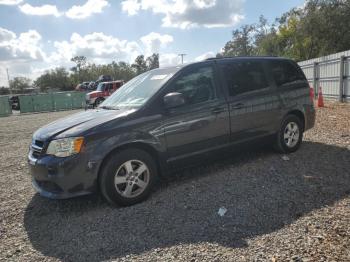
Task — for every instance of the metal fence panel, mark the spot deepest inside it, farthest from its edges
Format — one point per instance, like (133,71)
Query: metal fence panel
(5,109)
(62,101)
(26,103)
(42,102)
(332,73)
(78,99)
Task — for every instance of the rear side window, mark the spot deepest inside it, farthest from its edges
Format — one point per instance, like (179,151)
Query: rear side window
(244,76)
(285,72)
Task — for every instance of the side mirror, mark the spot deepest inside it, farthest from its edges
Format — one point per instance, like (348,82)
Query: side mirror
(172,100)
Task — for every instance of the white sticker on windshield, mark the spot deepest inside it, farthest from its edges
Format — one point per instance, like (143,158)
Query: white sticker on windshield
(158,77)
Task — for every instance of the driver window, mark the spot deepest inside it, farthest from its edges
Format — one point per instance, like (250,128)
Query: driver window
(197,85)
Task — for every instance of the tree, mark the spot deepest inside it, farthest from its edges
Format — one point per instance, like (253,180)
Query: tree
(319,28)
(80,62)
(241,43)
(152,61)
(140,65)
(57,78)
(20,83)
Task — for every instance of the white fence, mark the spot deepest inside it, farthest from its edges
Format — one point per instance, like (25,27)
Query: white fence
(332,73)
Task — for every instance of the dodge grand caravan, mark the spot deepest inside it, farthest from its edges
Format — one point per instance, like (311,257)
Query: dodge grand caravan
(162,118)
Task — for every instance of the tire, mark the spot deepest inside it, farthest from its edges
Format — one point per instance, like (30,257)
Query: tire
(98,101)
(290,135)
(119,181)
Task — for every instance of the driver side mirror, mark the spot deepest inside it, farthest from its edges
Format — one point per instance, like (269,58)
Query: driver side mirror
(174,99)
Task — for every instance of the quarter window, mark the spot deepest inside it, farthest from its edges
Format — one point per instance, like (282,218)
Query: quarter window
(244,76)
(197,85)
(285,72)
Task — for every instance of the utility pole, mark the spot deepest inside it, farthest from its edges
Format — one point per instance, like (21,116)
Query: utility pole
(182,58)
(8,80)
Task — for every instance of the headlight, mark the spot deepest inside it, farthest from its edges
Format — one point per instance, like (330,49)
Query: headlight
(65,147)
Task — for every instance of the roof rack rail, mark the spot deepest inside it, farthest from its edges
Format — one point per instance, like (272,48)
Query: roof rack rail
(253,56)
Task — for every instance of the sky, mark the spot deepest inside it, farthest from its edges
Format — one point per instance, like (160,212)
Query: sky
(37,35)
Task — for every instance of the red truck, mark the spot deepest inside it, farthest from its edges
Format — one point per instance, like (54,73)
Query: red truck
(104,89)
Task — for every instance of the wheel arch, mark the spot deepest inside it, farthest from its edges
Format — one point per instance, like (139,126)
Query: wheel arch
(299,114)
(134,145)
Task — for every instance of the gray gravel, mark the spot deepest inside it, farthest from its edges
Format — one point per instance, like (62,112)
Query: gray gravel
(278,210)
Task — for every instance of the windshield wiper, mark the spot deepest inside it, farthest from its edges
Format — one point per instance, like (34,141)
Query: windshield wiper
(109,107)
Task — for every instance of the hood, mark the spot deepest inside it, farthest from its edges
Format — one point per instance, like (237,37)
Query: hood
(77,124)
(94,92)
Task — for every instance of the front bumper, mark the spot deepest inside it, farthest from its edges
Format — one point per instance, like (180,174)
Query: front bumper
(61,178)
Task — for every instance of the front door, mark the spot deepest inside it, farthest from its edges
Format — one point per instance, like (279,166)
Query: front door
(202,123)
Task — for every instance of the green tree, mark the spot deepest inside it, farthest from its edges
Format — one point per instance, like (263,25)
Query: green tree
(18,84)
(319,28)
(57,79)
(140,65)
(242,43)
(152,61)
(80,62)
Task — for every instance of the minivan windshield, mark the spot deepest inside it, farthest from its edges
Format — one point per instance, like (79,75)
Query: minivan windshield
(138,90)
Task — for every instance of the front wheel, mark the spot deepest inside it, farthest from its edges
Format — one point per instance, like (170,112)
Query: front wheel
(128,177)
(290,135)
(98,101)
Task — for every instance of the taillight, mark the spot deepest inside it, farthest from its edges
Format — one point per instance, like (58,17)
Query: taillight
(312,94)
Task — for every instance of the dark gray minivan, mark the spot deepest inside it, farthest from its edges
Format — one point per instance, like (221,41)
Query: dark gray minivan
(162,118)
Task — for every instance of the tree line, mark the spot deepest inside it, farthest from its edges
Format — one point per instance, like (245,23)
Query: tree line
(319,28)
(61,79)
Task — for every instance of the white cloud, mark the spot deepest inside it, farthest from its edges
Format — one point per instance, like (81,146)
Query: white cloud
(153,42)
(169,59)
(40,10)
(204,56)
(25,47)
(97,47)
(19,53)
(87,9)
(131,7)
(186,14)
(10,2)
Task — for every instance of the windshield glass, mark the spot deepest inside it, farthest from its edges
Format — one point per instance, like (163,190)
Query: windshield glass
(139,89)
(100,87)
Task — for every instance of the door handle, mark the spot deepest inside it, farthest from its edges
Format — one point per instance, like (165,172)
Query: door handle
(237,106)
(218,110)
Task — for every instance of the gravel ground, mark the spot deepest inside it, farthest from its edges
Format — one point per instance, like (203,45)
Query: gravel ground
(278,210)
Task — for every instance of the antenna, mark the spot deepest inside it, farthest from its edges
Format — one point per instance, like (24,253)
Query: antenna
(182,58)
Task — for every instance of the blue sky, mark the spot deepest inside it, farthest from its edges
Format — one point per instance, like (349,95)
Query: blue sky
(36,35)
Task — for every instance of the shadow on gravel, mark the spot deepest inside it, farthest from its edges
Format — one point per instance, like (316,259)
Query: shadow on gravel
(262,193)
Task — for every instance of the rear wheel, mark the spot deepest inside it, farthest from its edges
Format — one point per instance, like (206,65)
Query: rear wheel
(290,135)
(128,177)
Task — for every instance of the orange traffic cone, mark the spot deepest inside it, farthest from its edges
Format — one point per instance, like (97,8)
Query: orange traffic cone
(320,98)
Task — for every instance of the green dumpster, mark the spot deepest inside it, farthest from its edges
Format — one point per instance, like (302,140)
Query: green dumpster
(5,109)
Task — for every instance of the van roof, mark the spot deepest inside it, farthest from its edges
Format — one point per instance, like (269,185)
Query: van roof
(248,57)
